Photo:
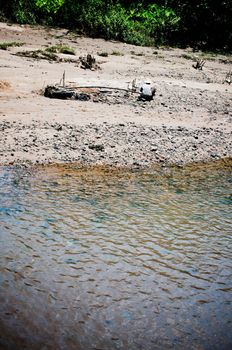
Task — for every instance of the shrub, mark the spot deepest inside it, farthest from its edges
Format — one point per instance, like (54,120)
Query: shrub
(49,6)
(24,11)
(145,22)
(159,21)
(61,49)
(5,45)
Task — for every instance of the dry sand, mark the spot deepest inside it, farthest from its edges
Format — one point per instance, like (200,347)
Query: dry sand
(189,120)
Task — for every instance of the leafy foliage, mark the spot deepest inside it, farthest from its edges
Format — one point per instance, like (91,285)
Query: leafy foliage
(203,23)
(200,23)
(49,5)
(160,21)
(106,19)
(23,11)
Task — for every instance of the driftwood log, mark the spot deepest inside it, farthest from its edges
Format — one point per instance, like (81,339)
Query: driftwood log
(102,88)
(59,92)
(64,93)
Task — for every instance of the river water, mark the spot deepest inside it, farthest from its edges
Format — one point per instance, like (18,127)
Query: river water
(102,259)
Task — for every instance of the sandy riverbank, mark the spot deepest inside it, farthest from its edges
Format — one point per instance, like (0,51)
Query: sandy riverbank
(190,119)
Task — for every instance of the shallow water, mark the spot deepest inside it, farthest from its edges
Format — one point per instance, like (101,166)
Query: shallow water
(115,260)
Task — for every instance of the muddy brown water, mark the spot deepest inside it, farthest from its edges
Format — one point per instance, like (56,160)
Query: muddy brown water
(97,259)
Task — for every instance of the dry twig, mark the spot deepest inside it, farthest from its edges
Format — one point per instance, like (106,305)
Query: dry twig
(228,78)
(199,64)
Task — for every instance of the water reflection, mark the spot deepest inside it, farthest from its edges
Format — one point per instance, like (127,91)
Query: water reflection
(92,259)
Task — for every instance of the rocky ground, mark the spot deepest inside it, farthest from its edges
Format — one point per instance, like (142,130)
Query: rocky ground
(189,120)
(122,144)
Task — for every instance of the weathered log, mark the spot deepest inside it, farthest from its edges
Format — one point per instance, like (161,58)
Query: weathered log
(102,87)
(82,96)
(58,92)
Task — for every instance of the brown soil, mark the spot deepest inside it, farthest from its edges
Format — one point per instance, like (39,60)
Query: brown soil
(4,85)
(189,119)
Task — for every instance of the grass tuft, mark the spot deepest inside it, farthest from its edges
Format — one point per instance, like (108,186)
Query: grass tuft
(6,45)
(117,53)
(38,54)
(61,49)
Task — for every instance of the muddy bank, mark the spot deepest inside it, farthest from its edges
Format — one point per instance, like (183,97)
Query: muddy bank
(123,144)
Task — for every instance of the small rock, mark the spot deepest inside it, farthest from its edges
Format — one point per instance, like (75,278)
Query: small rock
(97,147)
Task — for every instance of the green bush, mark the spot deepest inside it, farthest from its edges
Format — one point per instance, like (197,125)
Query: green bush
(117,24)
(136,24)
(50,6)
(23,11)
(159,21)
(204,24)
(105,19)
(200,23)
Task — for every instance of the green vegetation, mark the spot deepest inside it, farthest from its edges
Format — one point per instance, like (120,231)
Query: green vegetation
(6,45)
(117,53)
(49,53)
(209,56)
(61,49)
(39,55)
(187,56)
(204,24)
(49,6)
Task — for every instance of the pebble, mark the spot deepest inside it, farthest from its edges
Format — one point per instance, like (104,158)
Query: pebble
(120,143)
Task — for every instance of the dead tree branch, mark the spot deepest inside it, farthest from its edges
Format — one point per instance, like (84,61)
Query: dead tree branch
(199,64)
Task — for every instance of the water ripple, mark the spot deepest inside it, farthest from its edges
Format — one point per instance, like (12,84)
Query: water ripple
(92,260)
